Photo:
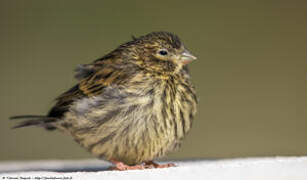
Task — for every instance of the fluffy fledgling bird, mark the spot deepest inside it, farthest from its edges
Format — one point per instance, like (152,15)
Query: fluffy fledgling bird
(131,106)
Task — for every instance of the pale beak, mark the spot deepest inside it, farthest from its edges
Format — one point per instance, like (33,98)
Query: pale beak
(187,57)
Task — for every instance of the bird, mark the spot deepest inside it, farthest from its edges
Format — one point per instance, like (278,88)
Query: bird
(131,106)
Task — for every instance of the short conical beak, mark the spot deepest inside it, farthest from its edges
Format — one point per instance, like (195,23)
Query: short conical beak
(187,57)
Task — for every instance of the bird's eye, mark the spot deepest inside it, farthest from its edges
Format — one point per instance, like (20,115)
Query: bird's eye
(163,52)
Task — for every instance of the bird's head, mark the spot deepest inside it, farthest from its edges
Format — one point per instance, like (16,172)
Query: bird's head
(160,52)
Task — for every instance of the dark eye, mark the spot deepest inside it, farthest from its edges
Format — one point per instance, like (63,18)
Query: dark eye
(163,52)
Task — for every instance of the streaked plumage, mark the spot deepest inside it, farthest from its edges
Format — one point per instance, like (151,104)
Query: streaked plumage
(133,105)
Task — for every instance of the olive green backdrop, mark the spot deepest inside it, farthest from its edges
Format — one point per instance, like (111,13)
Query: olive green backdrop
(250,74)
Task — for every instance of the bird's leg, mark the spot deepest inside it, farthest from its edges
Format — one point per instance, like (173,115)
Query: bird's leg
(120,166)
(151,164)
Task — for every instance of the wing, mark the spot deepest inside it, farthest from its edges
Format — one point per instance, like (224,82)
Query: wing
(92,82)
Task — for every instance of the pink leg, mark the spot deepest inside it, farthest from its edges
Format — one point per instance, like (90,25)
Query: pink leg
(120,166)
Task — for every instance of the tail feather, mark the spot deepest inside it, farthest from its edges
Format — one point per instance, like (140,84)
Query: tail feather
(27,117)
(35,120)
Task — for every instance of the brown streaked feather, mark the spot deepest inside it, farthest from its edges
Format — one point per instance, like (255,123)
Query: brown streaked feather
(104,73)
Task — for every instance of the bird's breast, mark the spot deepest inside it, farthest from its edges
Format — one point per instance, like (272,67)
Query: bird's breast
(176,107)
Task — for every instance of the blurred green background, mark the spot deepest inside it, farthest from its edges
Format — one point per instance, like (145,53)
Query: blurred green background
(250,74)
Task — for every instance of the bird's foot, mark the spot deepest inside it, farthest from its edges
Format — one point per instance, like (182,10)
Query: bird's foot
(152,164)
(120,166)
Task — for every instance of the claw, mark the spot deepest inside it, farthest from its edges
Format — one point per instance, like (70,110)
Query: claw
(156,165)
(120,166)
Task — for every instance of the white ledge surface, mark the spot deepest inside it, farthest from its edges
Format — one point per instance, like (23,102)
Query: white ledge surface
(269,168)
